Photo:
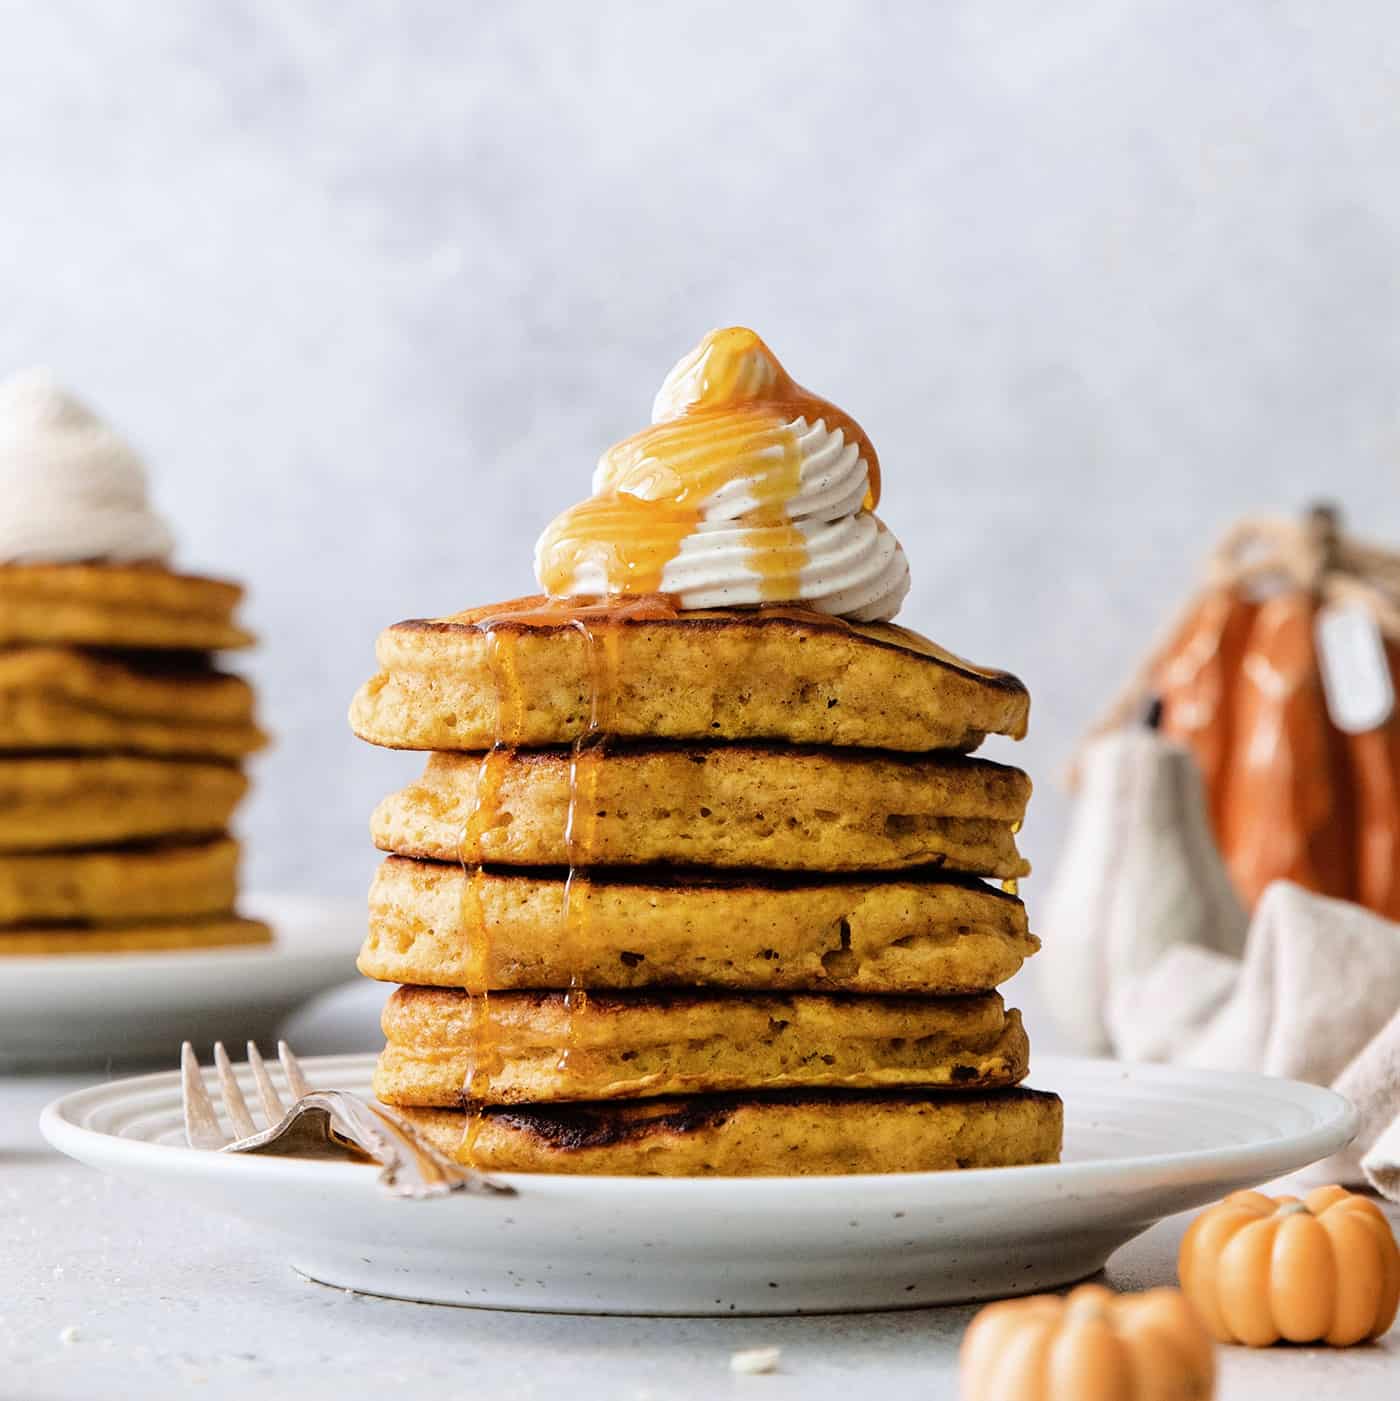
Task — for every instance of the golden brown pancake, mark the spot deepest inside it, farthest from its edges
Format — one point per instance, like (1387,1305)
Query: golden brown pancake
(772,807)
(787,1133)
(129,883)
(92,800)
(116,605)
(617,1045)
(142,937)
(64,698)
(463,682)
(662,928)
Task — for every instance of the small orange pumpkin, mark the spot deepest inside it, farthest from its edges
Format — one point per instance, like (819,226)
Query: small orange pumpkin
(1092,1345)
(1323,1269)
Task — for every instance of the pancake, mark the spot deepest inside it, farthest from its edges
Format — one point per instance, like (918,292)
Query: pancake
(92,800)
(132,883)
(792,1133)
(143,937)
(661,928)
(770,807)
(117,605)
(632,1045)
(723,674)
(63,698)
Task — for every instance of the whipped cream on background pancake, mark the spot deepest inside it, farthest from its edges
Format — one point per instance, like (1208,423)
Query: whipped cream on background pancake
(746,489)
(74,490)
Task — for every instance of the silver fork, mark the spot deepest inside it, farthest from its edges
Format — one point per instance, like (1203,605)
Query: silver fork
(319,1124)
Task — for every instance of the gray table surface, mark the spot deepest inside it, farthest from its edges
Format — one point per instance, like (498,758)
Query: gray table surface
(107,1290)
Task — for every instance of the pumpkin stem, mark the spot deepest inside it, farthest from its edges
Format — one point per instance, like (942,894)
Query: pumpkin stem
(1322,525)
(1293,1209)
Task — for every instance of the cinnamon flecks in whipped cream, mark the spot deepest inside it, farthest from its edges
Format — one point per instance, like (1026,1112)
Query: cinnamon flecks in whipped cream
(73,489)
(745,489)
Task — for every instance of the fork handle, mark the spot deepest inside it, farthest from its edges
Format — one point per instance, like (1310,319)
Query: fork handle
(419,1169)
(411,1166)
(336,1124)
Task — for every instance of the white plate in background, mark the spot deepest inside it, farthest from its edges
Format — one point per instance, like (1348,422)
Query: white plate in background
(1141,1142)
(69,1010)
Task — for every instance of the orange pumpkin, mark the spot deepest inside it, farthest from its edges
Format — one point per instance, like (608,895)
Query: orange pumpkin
(1196,685)
(1093,1345)
(1323,1269)
(1285,811)
(1290,796)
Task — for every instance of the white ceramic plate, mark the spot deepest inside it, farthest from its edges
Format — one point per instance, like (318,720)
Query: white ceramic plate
(86,1009)
(1142,1142)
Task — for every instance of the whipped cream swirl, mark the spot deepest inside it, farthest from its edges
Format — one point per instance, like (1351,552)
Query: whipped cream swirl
(73,489)
(745,490)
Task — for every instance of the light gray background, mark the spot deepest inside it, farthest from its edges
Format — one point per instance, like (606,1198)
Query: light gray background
(373,284)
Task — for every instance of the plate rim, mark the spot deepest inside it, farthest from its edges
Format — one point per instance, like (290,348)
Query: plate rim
(1333,1132)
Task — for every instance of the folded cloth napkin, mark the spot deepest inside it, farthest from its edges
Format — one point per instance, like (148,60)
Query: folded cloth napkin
(1372,1083)
(1314,996)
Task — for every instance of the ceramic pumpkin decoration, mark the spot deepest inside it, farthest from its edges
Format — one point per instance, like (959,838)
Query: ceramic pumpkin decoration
(1091,1345)
(1283,808)
(1195,683)
(1293,792)
(1262,1269)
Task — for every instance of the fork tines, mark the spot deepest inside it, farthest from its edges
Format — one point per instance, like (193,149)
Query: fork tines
(202,1127)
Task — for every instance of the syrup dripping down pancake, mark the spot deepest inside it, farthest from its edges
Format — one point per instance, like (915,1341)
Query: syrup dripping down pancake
(632,1045)
(765,807)
(921,933)
(734,674)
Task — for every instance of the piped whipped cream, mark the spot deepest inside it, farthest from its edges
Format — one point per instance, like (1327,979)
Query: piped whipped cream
(73,489)
(746,489)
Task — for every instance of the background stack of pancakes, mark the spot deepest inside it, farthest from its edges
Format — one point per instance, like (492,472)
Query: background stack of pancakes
(698,892)
(119,760)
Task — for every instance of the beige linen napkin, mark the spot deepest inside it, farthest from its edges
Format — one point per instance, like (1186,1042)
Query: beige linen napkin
(1315,995)
(1315,998)
(1372,1083)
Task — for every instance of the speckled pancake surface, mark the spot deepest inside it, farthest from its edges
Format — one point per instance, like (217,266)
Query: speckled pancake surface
(615,1045)
(774,673)
(153,936)
(122,884)
(798,1133)
(921,933)
(64,801)
(64,698)
(111,605)
(772,807)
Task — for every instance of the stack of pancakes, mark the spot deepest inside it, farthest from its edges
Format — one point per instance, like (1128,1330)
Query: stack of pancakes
(120,750)
(699,893)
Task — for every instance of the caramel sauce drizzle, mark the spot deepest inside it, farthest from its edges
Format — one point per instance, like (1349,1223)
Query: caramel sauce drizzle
(723,415)
(597,623)
(1012,886)
(485,1061)
(581,824)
